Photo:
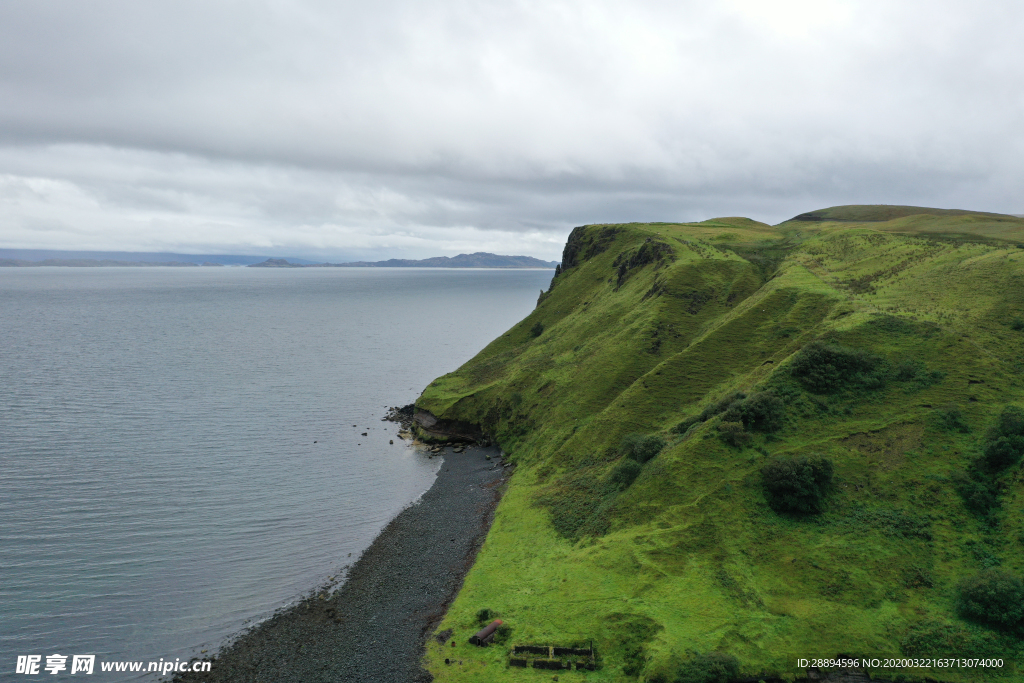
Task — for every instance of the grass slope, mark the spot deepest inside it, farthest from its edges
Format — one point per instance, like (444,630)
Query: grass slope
(645,326)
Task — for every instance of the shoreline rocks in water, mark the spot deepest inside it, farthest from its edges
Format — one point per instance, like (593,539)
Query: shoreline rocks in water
(374,627)
(428,428)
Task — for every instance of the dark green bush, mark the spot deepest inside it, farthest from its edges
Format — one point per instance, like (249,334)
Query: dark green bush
(915,371)
(631,635)
(982,552)
(485,615)
(979,496)
(1004,452)
(830,368)
(950,418)
(891,521)
(625,473)
(712,667)
(1005,441)
(760,412)
(918,577)
(907,370)
(648,448)
(537,329)
(716,408)
(628,443)
(721,405)
(641,448)
(502,634)
(799,485)
(685,425)
(926,638)
(1017,324)
(1003,448)
(1009,423)
(993,597)
(733,434)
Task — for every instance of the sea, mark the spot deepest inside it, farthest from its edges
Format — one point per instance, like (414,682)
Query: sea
(185,450)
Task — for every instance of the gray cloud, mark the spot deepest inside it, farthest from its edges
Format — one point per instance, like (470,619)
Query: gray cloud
(411,129)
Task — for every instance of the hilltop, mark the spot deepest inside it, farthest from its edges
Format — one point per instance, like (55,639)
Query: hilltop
(765,442)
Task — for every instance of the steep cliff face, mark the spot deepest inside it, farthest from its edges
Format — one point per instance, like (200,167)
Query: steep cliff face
(652,395)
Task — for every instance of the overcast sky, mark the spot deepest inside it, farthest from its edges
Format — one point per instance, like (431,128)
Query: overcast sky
(406,128)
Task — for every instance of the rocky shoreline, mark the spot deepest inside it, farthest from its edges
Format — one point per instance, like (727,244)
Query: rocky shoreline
(373,628)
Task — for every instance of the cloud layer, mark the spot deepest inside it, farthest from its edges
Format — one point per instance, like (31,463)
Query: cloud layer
(412,129)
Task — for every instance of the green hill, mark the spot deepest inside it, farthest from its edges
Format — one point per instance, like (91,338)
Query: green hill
(885,344)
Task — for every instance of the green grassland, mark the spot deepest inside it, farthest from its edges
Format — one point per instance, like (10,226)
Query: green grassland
(647,325)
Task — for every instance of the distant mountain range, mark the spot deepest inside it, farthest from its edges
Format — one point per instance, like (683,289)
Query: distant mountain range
(80,259)
(478,260)
(20,258)
(93,263)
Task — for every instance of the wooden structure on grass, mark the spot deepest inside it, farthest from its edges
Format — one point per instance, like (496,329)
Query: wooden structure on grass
(553,657)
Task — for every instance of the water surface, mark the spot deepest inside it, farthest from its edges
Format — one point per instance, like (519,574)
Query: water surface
(182,450)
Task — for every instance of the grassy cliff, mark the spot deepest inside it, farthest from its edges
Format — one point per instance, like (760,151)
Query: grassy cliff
(674,373)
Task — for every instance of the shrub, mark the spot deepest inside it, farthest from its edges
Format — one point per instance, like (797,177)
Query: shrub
(716,408)
(628,443)
(719,407)
(918,577)
(992,597)
(1009,423)
(1017,325)
(829,368)
(630,635)
(907,370)
(485,615)
(915,371)
(982,552)
(761,412)
(891,521)
(1004,448)
(537,329)
(625,473)
(926,638)
(502,634)
(797,485)
(648,448)
(713,667)
(978,496)
(685,425)
(641,448)
(1004,452)
(951,419)
(732,433)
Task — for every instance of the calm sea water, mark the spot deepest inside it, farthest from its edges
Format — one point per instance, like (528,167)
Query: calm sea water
(160,484)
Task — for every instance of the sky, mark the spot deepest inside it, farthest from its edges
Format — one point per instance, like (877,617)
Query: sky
(408,129)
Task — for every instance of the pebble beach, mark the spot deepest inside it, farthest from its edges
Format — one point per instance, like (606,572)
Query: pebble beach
(373,628)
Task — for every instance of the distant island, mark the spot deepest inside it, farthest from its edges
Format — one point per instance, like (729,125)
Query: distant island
(24,258)
(28,258)
(94,263)
(478,260)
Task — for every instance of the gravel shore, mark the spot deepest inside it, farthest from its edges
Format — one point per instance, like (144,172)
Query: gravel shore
(374,627)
